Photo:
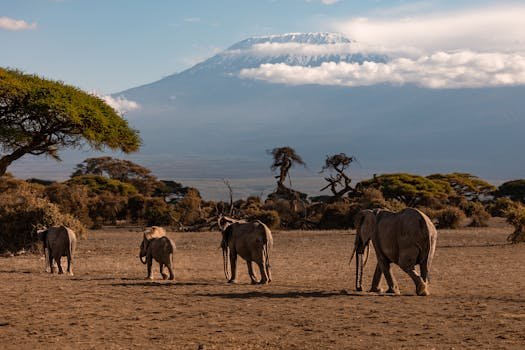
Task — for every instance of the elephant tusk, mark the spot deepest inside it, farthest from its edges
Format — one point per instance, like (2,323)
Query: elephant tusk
(143,259)
(359,272)
(352,256)
(225,258)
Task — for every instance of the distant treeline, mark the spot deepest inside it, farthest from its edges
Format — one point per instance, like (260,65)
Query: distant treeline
(108,191)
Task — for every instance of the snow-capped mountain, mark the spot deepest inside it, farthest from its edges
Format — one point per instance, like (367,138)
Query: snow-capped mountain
(209,122)
(303,49)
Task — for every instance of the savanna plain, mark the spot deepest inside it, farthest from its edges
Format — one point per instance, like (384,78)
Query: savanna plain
(477,297)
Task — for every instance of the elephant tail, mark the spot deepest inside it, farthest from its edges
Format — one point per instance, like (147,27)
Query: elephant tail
(266,246)
(430,234)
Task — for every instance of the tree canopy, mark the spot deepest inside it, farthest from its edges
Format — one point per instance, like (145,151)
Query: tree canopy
(409,189)
(465,185)
(41,117)
(514,189)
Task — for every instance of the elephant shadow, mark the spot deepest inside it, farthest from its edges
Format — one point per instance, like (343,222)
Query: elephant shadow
(270,295)
(160,284)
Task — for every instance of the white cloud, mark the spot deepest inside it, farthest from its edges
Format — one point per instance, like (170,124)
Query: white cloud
(15,24)
(120,103)
(462,69)
(482,29)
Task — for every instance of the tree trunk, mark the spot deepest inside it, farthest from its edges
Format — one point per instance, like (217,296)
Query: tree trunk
(6,160)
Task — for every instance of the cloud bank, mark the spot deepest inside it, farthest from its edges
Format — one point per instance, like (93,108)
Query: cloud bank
(15,24)
(121,104)
(486,29)
(465,69)
(474,48)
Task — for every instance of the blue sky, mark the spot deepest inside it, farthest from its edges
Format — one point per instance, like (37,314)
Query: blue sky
(111,45)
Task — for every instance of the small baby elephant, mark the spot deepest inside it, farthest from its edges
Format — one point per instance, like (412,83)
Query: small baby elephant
(156,245)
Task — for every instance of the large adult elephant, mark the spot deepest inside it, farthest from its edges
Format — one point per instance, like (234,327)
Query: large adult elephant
(250,240)
(59,241)
(407,238)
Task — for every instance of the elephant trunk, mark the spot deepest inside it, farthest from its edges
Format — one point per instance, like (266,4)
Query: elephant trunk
(143,251)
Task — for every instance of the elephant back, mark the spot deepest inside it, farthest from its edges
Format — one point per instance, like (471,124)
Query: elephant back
(154,232)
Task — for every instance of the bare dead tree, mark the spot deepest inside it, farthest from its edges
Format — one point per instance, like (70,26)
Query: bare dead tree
(340,183)
(230,190)
(283,159)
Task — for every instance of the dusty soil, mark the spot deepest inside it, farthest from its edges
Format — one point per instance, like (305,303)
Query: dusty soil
(477,300)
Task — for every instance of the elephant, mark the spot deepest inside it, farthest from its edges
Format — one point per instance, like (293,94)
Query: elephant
(252,241)
(59,241)
(406,238)
(156,245)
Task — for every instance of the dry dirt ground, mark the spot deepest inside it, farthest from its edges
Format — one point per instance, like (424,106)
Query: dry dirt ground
(477,300)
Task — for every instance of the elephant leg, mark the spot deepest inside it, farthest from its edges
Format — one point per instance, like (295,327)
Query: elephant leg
(250,272)
(58,259)
(390,280)
(375,281)
(149,263)
(421,286)
(424,271)
(50,260)
(233,265)
(408,264)
(69,265)
(161,268)
(264,274)
(170,269)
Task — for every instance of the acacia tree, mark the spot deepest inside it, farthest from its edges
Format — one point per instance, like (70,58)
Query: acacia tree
(466,185)
(41,117)
(338,163)
(283,159)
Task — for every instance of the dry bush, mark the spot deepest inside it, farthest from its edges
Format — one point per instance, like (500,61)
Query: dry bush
(480,217)
(338,215)
(269,217)
(188,209)
(71,199)
(286,212)
(449,217)
(516,217)
(159,213)
(501,206)
(22,212)
(107,208)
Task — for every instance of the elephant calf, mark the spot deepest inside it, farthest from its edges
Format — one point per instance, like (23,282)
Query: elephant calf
(156,245)
(59,241)
(252,241)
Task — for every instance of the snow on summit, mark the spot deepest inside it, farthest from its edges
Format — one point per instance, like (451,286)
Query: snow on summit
(294,49)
